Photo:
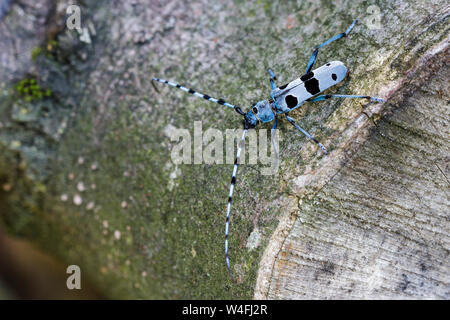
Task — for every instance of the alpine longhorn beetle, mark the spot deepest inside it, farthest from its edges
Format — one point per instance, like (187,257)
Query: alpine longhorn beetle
(283,99)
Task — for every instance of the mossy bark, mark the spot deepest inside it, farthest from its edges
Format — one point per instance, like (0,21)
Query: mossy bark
(89,176)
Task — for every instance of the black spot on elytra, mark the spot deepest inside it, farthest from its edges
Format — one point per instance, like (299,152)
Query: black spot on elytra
(255,110)
(312,86)
(291,101)
(328,64)
(334,76)
(284,86)
(307,76)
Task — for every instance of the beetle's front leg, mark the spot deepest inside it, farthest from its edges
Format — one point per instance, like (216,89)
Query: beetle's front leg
(273,78)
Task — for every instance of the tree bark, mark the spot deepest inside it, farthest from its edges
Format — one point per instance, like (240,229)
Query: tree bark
(86,173)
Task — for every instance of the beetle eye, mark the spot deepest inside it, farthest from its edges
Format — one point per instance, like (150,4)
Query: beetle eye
(255,110)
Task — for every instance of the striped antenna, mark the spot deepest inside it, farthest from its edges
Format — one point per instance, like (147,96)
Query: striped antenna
(200,95)
(230,196)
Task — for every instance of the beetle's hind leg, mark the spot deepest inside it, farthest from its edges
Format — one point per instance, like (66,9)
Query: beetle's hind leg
(312,59)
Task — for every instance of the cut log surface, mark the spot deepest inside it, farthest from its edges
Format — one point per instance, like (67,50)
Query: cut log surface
(86,167)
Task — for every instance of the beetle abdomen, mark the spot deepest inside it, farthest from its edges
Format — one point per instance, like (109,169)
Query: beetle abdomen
(294,93)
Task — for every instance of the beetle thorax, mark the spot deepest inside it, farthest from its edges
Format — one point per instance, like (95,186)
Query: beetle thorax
(294,93)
